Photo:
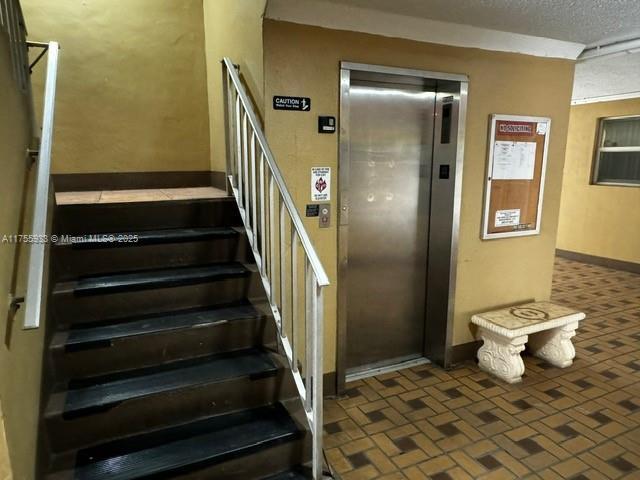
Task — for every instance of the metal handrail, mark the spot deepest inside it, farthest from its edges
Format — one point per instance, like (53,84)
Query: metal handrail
(323,279)
(36,267)
(268,211)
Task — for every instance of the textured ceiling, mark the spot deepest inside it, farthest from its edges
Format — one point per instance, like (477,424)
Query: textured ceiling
(581,21)
(607,76)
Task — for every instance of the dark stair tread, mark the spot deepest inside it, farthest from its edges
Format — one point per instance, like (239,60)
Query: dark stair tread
(158,278)
(198,444)
(152,237)
(81,336)
(94,394)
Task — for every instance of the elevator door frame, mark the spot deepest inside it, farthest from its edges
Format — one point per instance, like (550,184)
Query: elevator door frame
(343,228)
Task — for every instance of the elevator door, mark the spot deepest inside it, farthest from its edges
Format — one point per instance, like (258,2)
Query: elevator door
(390,156)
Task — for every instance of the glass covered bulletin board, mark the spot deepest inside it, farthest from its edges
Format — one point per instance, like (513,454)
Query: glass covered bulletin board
(515,176)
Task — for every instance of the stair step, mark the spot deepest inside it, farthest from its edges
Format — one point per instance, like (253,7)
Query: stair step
(124,217)
(97,394)
(158,278)
(151,237)
(198,444)
(84,336)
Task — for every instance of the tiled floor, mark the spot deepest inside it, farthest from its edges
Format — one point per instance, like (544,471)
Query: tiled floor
(142,195)
(582,422)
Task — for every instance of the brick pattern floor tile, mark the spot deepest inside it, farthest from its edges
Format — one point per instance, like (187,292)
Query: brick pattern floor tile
(582,422)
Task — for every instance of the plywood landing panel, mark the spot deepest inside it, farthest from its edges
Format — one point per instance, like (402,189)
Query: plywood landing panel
(142,195)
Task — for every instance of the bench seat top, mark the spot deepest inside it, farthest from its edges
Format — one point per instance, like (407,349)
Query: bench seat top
(525,319)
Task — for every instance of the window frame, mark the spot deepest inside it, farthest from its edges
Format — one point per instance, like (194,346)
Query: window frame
(599,149)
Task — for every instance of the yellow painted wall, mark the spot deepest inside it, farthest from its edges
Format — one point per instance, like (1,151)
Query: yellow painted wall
(304,61)
(132,83)
(20,351)
(233,28)
(600,220)
(5,463)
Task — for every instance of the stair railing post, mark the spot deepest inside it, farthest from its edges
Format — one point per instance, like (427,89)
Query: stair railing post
(263,233)
(317,382)
(294,297)
(227,127)
(238,183)
(283,273)
(309,332)
(245,166)
(254,196)
(272,251)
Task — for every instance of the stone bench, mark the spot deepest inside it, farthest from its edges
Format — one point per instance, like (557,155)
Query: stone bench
(505,332)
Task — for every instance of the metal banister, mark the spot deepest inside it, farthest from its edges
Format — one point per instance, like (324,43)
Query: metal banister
(36,268)
(271,220)
(323,279)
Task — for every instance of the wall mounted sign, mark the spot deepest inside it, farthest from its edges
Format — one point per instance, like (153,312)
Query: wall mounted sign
(320,184)
(312,210)
(302,104)
(515,176)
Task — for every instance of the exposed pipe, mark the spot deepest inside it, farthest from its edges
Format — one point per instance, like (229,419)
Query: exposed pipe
(613,49)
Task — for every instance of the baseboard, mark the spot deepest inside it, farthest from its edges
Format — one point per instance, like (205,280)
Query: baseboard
(82,182)
(329,384)
(601,261)
(464,351)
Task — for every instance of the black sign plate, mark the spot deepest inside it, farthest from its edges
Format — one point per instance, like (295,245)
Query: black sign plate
(302,104)
(313,210)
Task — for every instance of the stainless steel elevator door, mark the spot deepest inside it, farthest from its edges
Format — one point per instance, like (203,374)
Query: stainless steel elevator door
(390,138)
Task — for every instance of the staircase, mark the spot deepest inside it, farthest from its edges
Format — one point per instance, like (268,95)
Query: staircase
(163,354)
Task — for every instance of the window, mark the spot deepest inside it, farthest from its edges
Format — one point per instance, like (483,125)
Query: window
(618,152)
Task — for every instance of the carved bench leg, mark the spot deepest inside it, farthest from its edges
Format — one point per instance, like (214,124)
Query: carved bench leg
(554,346)
(500,356)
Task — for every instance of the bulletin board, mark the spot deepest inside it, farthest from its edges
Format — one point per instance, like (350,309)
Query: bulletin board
(515,176)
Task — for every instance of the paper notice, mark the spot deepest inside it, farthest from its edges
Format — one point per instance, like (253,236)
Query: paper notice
(541,128)
(513,160)
(507,218)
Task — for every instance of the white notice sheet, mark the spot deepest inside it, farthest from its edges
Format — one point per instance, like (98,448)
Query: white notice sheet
(513,160)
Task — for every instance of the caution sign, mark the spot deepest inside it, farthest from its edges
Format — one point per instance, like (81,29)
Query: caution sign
(302,104)
(320,184)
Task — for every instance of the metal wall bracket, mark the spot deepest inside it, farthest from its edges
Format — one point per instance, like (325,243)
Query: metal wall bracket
(15,303)
(44,46)
(32,154)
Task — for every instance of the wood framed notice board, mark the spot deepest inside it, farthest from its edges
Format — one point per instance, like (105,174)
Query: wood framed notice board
(515,176)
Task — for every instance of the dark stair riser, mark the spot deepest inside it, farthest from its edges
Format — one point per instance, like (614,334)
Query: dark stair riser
(138,415)
(272,459)
(298,473)
(128,217)
(71,263)
(146,350)
(69,308)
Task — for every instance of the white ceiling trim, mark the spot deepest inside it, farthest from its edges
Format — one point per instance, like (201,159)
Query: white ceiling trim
(605,98)
(344,17)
